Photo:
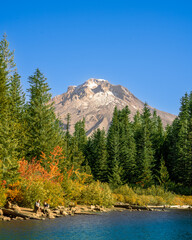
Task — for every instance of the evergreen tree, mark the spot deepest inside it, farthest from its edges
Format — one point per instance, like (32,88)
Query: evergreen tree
(75,147)
(67,137)
(8,139)
(80,139)
(178,145)
(114,167)
(183,162)
(127,149)
(17,108)
(137,130)
(96,153)
(157,139)
(44,131)
(170,148)
(145,153)
(76,157)
(163,174)
(189,164)
(68,125)
(80,134)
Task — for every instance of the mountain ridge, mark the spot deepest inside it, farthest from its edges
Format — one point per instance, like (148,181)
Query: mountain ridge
(95,100)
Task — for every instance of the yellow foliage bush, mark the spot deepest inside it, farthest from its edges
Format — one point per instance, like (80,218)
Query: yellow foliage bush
(132,199)
(182,200)
(187,200)
(54,194)
(3,195)
(155,195)
(124,190)
(14,193)
(32,191)
(97,193)
(143,200)
(72,190)
(44,190)
(178,200)
(118,197)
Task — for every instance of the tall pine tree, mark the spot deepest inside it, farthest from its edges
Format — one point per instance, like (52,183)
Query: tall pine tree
(145,153)
(96,153)
(127,149)
(17,108)
(44,132)
(113,144)
(157,139)
(8,138)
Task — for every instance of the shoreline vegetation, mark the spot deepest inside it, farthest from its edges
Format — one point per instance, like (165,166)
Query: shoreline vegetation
(139,163)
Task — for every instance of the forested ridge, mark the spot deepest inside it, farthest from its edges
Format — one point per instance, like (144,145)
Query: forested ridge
(39,160)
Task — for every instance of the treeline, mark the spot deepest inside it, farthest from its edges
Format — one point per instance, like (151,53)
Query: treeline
(139,153)
(143,153)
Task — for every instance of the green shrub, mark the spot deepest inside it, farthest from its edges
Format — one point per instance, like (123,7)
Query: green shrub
(124,190)
(32,191)
(118,197)
(97,193)
(72,190)
(44,190)
(128,194)
(54,193)
(3,195)
(154,195)
(161,196)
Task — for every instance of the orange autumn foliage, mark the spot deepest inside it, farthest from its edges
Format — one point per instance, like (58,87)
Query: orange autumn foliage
(14,193)
(40,180)
(34,170)
(57,154)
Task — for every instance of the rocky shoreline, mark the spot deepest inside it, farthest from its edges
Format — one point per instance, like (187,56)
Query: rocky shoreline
(14,212)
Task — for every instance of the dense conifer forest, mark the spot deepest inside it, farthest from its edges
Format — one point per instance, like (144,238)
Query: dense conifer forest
(136,161)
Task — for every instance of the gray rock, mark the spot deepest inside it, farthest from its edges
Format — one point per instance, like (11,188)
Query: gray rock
(50,215)
(19,218)
(95,100)
(64,213)
(1,212)
(6,219)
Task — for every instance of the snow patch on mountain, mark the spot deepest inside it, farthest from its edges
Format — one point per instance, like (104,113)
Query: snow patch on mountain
(92,85)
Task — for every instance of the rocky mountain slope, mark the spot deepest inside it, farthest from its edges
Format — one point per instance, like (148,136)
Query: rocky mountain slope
(95,101)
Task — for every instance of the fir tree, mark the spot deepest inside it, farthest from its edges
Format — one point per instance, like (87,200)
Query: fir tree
(17,108)
(44,130)
(145,153)
(178,145)
(183,162)
(157,139)
(137,130)
(163,174)
(96,153)
(75,146)
(114,167)
(8,138)
(127,149)
(76,158)
(67,136)
(80,134)
(170,148)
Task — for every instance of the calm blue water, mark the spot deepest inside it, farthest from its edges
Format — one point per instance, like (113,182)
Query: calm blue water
(172,225)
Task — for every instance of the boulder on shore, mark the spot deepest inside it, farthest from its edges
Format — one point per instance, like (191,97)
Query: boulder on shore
(1,212)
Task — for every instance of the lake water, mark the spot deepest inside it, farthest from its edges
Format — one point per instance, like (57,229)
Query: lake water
(144,225)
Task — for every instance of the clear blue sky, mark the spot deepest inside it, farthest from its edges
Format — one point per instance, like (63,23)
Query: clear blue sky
(143,45)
